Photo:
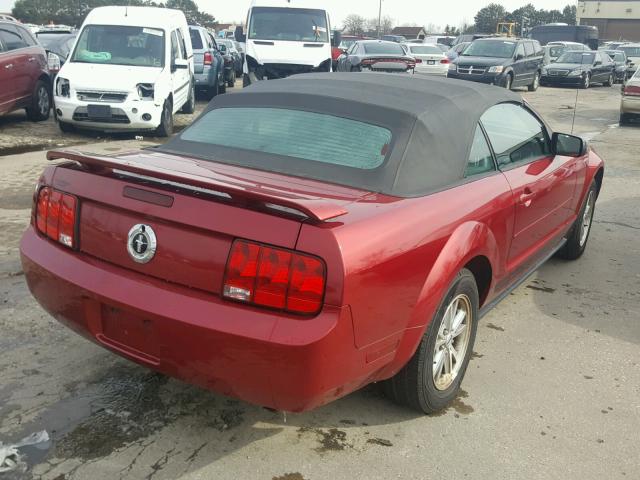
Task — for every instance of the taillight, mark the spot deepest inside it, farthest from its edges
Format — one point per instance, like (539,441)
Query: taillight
(274,277)
(208,58)
(631,90)
(56,216)
(445,60)
(418,60)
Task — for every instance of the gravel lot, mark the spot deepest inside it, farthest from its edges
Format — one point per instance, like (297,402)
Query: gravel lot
(553,389)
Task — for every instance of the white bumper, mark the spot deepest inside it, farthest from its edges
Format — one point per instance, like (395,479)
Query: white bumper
(436,69)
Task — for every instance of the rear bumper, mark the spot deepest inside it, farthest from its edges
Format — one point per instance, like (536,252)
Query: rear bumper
(630,104)
(437,69)
(262,357)
(205,79)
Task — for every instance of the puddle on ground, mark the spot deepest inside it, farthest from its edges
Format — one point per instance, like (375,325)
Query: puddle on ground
(458,405)
(329,440)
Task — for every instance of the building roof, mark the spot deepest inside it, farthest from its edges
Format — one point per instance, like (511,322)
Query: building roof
(408,31)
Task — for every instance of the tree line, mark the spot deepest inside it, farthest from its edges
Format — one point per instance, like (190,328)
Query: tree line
(73,12)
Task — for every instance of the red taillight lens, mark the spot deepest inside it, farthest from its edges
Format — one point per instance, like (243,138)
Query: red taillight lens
(208,58)
(56,216)
(274,277)
(631,90)
(445,60)
(418,60)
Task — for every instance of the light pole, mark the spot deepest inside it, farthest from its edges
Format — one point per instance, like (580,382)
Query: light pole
(380,21)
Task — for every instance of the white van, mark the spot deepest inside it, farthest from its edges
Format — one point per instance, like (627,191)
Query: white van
(285,37)
(131,68)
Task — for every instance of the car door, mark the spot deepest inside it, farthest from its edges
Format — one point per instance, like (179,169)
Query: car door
(521,76)
(218,60)
(542,183)
(179,76)
(7,84)
(15,63)
(531,64)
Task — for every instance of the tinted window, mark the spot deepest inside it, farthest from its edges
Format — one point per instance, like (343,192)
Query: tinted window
(528,49)
(120,45)
(196,39)
(10,37)
(383,48)
(480,158)
(495,49)
(515,134)
(306,136)
(175,48)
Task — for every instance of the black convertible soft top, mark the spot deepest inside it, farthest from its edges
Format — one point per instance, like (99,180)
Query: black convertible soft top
(432,121)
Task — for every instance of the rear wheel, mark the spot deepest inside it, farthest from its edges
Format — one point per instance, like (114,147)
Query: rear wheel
(190,106)
(165,128)
(579,233)
(213,90)
(65,127)
(40,105)
(536,83)
(610,81)
(624,119)
(232,80)
(432,378)
(508,82)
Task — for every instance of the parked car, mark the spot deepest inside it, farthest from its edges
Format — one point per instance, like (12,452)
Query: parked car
(429,59)
(208,62)
(580,69)
(500,61)
(237,57)
(556,49)
(7,18)
(229,65)
(24,76)
(376,55)
(124,76)
(58,47)
(619,58)
(394,38)
(632,51)
(345,42)
(327,250)
(630,102)
(468,38)
(455,51)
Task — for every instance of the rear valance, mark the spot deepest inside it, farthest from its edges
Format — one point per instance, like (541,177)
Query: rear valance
(317,208)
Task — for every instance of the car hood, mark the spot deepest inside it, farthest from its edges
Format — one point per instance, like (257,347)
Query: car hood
(568,66)
(292,53)
(107,77)
(481,61)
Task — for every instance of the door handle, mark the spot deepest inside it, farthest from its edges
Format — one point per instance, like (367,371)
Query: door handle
(8,66)
(527,196)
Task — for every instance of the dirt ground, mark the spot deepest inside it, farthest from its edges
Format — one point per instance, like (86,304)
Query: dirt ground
(552,391)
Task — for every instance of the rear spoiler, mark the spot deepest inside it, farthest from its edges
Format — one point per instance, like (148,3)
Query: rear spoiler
(316,208)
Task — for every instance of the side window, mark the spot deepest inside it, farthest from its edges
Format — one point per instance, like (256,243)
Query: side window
(183,47)
(352,48)
(520,50)
(528,49)
(480,158)
(27,36)
(10,37)
(538,49)
(213,42)
(516,135)
(175,48)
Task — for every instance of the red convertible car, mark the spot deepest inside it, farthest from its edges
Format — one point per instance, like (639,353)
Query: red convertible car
(312,235)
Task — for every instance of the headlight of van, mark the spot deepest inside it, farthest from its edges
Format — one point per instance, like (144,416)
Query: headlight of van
(496,69)
(63,89)
(145,91)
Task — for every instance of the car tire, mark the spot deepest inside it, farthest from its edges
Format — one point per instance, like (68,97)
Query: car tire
(190,106)
(586,82)
(232,80)
(66,127)
(165,129)
(421,384)
(610,81)
(535,84)
(213,91)
(40,106)
(508,82)
(624,119)
(579,233)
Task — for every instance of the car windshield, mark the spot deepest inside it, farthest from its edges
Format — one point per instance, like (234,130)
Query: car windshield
(631,51)
(582,58)
(383,48)
(494,49)
(57,43)
(556,51)
(120,45)
(346,44)
(425,50)
(292,24)
(306,136)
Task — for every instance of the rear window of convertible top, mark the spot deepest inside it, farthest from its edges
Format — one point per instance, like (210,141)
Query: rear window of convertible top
(307,136)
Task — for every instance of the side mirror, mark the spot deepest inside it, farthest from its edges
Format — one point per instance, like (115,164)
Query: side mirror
(568,145)
(239,34)
(179,64)
(337,38)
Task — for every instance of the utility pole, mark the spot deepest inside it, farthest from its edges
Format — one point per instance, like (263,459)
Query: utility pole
(522,25)
(380,21)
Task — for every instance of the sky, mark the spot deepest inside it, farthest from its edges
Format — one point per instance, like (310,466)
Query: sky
(420,12)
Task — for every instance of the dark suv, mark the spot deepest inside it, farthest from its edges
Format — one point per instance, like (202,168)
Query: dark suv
(502,61)
(24,75)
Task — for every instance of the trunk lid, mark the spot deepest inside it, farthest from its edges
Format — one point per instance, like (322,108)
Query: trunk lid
(198,61)
(195,208)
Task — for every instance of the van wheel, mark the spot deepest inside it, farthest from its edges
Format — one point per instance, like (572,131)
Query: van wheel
(610,81)
(536,83)
(165,128)
(508,82)
(213,91)
(232,80)
(623,119)
(432,378)
(66,127)
(579,233)
(586,81)
(190,106)
(40,105)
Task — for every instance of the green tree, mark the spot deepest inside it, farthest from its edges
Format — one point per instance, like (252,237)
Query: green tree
(569,14)
(487,18)
(192,12)
(355,24)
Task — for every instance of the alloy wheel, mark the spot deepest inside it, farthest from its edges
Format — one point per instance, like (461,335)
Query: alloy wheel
(452,342)
(587,218)
(43,101)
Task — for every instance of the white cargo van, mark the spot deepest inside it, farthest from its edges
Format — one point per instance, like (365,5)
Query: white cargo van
(285,37)
(131,68)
